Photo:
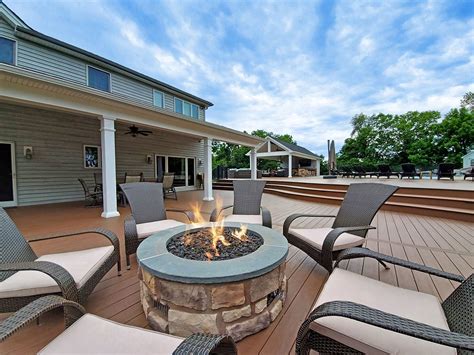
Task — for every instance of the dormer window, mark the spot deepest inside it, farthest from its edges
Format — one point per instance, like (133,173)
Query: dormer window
(158,98)
(7,51)
(186,108)
(98,79)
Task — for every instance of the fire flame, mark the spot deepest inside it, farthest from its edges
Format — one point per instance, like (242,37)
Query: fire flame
(217,230)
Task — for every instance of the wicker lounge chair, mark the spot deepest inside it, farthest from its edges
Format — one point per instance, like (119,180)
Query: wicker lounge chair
(168,186)
(247,206)
(446,170)
(357,314)
(359,171)
(91,198)
(148,214)
(384,170)
(90,334)
(346,172)
(408,170)
(24,276)
(361,203)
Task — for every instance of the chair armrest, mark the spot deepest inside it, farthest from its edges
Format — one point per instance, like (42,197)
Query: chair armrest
(387,321)
(266,217)
(206,344)
(72,312)
(367,253)
(189,214)
(328,244)
(59,274)
(217,212)
(291,218)
(130,228)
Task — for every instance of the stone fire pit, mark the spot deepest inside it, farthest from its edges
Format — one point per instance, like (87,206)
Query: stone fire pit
(238,297)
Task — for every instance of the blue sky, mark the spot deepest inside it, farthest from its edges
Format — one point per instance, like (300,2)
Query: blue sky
(299,67)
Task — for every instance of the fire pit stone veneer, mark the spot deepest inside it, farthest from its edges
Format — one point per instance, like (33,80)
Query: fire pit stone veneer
(238,297)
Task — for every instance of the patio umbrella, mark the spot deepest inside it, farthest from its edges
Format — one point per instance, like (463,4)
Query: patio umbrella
(333,156)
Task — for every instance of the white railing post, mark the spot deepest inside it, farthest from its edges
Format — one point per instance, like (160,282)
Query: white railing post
(109,181)
(208,196)
(253,164)
(290,165)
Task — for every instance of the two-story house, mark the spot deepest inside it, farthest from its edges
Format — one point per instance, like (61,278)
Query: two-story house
(66,114)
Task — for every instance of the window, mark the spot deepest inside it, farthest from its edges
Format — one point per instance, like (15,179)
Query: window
(7,51)
(98,79)
(184,169)
(186,108)
(158,98)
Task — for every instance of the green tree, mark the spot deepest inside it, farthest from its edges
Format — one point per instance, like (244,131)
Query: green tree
(468,100)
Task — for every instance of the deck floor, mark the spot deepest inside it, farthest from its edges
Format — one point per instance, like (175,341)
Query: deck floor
(441,243)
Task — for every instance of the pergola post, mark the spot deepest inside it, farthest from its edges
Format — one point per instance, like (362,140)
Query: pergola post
(290,165)
(253,164)
(208,196)
(109,181)
(318,167)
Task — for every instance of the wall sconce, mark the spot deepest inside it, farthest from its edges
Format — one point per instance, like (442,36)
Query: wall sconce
(149,159)
(200,162)
(28,152)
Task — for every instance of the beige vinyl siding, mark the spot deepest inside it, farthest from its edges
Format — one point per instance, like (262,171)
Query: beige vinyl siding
(58,138)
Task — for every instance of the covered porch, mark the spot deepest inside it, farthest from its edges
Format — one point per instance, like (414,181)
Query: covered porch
(56,132)
(438,242)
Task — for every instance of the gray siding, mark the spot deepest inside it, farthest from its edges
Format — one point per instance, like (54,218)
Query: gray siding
(5,29)
(132,89)
(57,139)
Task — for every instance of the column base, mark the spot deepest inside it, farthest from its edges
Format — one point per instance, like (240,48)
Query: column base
(208,198)
(110,214)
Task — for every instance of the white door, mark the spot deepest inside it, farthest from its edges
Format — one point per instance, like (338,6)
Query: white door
(7,175)
(184,169)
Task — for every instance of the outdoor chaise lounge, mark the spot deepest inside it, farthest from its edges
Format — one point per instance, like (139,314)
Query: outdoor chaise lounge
(384,170)
(148,214)
(408,170)
(90,334)
(357,314)
(359,171)
(469,173)
(446,170)
(360,204)
(24,276)
(247,204)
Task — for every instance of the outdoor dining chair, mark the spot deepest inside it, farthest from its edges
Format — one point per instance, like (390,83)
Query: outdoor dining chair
(24,276)
(133,178)
(358,209)
(91,198)
(356,314)
(247,206)
(148,214)
(168,185)
(90,334)
(408,170)
(446,170)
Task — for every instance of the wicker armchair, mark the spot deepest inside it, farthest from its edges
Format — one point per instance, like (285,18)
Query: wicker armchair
(247,204)
(148,214)
(361,203)
(90,334)
(356,314)
(24,275)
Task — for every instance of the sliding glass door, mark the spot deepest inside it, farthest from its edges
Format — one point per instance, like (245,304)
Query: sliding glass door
(184,169)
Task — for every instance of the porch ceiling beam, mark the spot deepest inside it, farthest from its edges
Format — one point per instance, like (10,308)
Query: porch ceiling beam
(272,154)
(21,85)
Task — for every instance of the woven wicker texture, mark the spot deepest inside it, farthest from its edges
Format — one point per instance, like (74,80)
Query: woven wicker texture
(459,308)
(248,196)
(146,201)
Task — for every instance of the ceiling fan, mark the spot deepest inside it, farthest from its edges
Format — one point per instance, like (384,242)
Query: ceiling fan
(134,131)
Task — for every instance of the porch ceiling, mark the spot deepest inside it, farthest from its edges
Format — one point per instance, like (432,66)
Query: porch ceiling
(21,85)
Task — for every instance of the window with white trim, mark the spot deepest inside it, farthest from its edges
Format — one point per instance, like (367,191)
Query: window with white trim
(98,79)
(7,51)
(158,98)
(186,108)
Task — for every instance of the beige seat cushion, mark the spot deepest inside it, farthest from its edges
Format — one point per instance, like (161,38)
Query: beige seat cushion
(316,236)
(80,264)
(95,335)
(244,218)
(344,285)
(146,229)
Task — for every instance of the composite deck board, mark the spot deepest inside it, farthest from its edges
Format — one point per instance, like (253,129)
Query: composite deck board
(441,243)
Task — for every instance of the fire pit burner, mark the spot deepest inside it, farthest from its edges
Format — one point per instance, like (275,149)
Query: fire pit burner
(197,245)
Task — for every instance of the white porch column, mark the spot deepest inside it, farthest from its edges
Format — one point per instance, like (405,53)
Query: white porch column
(208,170)
(253,164)
(318,167)
(290,165)
(109,182)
